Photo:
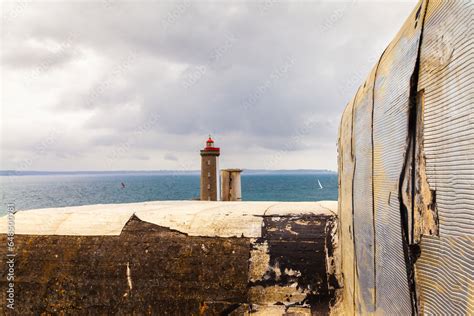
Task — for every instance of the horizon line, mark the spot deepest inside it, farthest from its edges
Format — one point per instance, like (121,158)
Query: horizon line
(4,171)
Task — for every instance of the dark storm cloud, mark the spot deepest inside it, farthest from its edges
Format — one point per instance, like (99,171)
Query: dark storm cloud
(272,72)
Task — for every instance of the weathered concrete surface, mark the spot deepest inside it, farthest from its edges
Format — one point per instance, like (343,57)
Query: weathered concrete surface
(298,252)
(195,218)
(288,267)
(405,166)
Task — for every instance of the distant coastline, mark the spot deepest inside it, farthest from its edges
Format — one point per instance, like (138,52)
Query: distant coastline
(159,172)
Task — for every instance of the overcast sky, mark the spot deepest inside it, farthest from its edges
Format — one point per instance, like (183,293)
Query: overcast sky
(113,85)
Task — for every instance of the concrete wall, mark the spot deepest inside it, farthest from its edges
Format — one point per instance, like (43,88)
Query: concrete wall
(175,258)
(405,166)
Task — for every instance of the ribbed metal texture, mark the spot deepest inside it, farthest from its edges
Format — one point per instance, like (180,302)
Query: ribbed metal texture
(390,133)
(346,171)
(362,194)
(445,269)
(438,37)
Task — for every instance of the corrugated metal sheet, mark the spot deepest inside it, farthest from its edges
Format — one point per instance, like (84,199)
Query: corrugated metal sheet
(445,269)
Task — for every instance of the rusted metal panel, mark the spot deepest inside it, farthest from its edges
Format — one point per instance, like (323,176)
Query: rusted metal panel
(445,268)
(364,234)
(346,241)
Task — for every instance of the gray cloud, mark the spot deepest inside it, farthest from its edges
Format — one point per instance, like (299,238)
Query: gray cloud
(262,77)
(171,157)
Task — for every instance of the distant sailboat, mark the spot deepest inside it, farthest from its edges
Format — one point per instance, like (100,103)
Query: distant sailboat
(320,185)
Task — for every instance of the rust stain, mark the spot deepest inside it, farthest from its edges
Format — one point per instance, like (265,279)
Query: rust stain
(425,211)
(202,308)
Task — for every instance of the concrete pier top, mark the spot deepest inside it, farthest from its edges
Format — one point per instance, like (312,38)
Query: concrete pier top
(195,218)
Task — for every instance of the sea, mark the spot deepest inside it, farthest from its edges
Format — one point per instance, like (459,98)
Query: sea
(45,191)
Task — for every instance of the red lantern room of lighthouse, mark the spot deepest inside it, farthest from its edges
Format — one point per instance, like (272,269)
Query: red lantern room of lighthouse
(210,145)
(210,175)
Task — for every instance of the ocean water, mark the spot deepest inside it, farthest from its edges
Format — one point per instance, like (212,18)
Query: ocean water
(41,191)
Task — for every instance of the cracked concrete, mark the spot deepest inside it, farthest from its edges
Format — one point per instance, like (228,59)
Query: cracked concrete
(193,258)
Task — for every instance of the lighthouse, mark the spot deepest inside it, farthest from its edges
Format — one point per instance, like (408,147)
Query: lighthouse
(210,184)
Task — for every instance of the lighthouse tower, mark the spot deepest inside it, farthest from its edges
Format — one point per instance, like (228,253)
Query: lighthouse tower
(210,184)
